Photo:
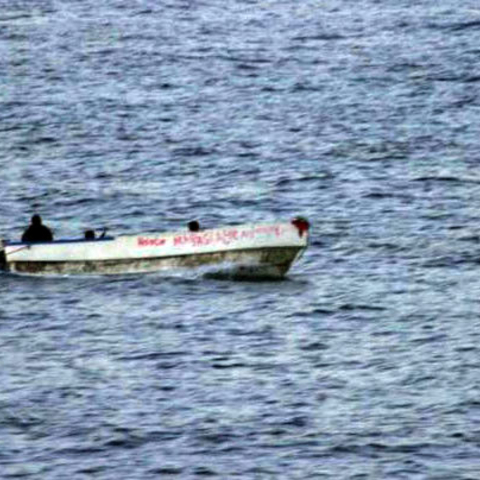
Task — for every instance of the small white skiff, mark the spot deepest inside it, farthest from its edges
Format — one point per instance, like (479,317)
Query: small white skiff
(245,251)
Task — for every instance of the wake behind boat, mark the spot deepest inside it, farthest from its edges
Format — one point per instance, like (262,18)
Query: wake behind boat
(247,251)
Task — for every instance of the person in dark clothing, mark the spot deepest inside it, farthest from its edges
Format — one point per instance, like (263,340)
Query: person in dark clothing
(89,235)
(194,226)
(37,232)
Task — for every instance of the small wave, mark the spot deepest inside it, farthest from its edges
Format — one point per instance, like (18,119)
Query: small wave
(378,195)
(225,366)
(152,356)
(314,347)
(246,66)
(446,179)
(145,11)
(259,472)
(42,140)
(205,472)
(456,27)
(429,339)
(303,87)
(315,311)
(322,37)
(456,79)
(297,421)
(93,470)
(374,447)
(305,178)
(166,471)
(192,152)
(348,307)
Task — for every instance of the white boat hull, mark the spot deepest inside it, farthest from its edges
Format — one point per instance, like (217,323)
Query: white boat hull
(246,251)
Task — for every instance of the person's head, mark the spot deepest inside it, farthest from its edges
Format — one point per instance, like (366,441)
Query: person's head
(36,220)
(193,226)
(89,235)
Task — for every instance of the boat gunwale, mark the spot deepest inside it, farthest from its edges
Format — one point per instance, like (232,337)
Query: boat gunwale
(57,242)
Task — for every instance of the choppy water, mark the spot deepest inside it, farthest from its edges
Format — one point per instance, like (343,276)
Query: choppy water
(362,116)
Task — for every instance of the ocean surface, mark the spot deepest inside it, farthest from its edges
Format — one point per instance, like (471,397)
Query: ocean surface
(362,116)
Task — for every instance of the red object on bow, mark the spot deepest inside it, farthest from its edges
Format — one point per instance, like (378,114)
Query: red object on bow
(301,224)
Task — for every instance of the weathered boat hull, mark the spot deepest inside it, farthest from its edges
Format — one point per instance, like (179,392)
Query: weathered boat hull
(254,263)
(243,252)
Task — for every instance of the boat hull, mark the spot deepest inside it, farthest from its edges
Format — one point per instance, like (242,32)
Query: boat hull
(254,263)
(249,251)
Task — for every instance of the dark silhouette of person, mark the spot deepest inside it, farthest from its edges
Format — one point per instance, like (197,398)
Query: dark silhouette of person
(37,232)
(194,226)
(89,235)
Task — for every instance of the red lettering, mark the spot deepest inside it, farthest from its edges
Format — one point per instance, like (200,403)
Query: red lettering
(178,240)
(150,242)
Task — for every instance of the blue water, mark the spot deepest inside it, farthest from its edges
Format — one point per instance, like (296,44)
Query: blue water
(141,116)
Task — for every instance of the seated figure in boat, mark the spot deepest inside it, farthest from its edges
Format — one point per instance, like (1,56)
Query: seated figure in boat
(194,226)
(89,235)
(37,232)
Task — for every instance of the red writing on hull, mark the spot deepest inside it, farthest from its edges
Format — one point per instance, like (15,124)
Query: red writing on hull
(150,242)
(224,237)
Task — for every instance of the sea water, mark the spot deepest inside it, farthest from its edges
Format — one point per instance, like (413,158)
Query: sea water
(141,116)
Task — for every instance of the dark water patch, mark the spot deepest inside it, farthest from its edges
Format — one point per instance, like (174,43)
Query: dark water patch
(456,78)
(317,243)
(445,179)
(350,307)
(168,365)
(378,195)
(472,79)
(304,178)
(388,246)
(247,67)
(403,66)
(12,17)
(374,449)
(144,11)
(273,89)
(261,472)
(192,152)
(152,356)
(470,404)
(300,87)
(167,86)
(245,59)
(313,347)
(93,470)
(14,37)
(20,420)
(166,471)
(217,438)
(124,443)
(45,140)
(308,313)
(81,450)
(466,349)
(226,366)
(318,38)
(297,422)
(456,26)
(453,260)
(204,472)
(12,105)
